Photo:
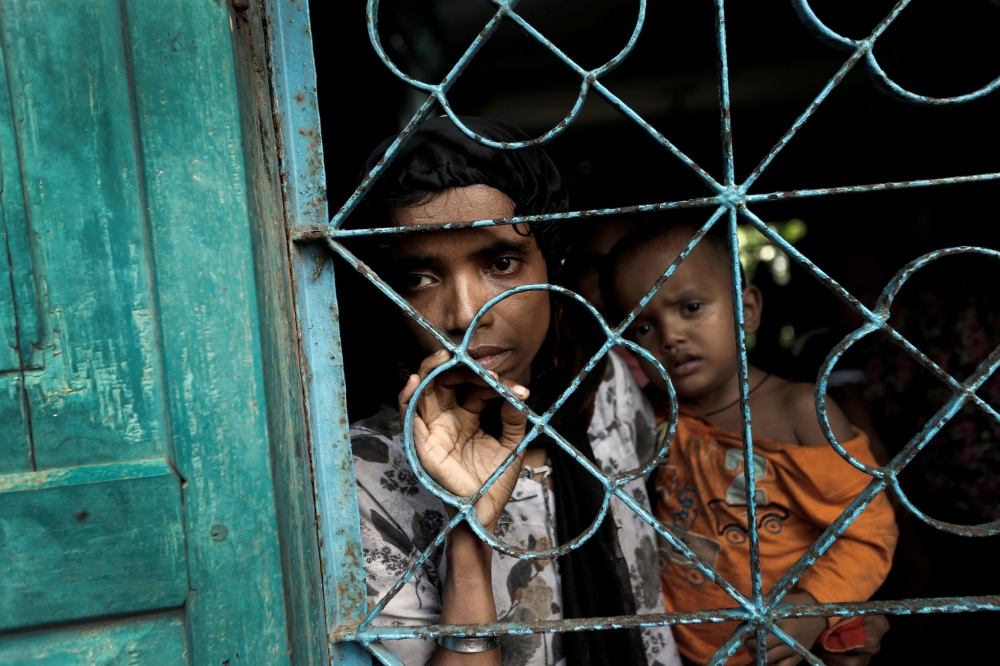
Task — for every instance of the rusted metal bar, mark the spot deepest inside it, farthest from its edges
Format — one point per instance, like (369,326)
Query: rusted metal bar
(924,606)
(757,612)
(861,49)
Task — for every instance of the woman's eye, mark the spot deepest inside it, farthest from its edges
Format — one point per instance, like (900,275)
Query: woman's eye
(417,280)
(692,307)
(505,264)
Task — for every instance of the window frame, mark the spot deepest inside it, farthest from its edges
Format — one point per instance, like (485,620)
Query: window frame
(314,236)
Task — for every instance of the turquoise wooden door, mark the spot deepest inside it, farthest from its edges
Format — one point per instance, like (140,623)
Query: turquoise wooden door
(137,511)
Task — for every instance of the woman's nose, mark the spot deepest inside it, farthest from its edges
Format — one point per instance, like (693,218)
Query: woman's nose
(467,297)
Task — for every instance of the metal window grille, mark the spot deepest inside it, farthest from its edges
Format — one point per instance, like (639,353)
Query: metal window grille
(349,627)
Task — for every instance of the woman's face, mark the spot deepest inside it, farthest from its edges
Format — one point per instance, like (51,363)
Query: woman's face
(447,276)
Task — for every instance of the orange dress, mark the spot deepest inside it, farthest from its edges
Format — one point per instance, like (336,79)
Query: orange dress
(701,495)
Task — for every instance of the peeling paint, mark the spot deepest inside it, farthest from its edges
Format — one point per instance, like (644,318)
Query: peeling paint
(756,610)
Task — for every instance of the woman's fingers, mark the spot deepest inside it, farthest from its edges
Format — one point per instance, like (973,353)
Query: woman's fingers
(434,399)
(439,397)
(514,422)
(426,366)
(433,361)
(406,395)
(479,396)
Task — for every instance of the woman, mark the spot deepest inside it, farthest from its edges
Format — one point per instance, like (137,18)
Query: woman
(545,498)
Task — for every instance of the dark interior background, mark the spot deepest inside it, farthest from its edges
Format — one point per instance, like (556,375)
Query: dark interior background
(858,136)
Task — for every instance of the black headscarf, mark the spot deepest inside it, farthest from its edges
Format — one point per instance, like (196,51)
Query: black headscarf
(595,578)
(439,156)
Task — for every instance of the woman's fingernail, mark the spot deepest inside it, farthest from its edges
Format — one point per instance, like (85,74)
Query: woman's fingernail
(520,391)
(494,375)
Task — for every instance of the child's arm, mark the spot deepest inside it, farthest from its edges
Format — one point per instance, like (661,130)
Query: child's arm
(852,569)
(857,563)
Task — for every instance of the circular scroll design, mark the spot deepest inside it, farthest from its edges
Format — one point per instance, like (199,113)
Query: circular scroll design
(505,10)
(881,311)
(537,425)
(837,41)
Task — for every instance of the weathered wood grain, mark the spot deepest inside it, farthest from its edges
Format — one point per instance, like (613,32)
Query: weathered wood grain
(15,450)
(17,284)
(279,345)
(92,366)
(90,541)
(15,447)
(143,233)
(304,190)
(153,640)
(23,313)
(196,192)
(10,358)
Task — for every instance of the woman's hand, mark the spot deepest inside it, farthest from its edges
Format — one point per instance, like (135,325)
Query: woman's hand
(450,443)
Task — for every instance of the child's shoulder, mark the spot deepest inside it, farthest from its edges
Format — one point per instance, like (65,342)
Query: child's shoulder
(799,397)
(796,402)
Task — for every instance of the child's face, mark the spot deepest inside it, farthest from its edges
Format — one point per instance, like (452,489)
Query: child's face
(688,325)
(447,276)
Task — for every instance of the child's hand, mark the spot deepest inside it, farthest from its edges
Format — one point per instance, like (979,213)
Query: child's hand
(876,627)
(452,447)
(805,630)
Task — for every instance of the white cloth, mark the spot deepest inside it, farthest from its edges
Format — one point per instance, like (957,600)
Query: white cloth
(400,518)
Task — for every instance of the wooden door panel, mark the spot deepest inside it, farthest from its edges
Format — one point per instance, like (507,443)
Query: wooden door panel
(135,469)
(92,376)
(21,315)
(91,518)
(90,541)
(10,357)
(15,449)
(152,640)
(17,284)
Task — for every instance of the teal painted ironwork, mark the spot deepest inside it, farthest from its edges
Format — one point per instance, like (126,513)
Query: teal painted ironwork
(730,203)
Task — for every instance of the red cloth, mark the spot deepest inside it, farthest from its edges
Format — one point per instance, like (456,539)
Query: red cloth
(848,634)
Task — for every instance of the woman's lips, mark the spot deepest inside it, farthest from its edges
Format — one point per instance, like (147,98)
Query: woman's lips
(490,358)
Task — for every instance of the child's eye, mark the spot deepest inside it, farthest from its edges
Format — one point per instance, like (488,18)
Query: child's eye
(692,307)
(642,329)
(417,280)
(505,264)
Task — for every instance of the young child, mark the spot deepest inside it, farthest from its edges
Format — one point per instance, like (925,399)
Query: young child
(802,484)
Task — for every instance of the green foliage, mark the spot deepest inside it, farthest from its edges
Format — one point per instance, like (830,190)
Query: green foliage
(755,248)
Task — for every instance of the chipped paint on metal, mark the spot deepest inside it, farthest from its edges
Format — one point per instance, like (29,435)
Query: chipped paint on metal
(757,611)
(297,125)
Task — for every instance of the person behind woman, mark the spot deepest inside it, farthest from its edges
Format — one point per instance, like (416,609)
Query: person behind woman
(528,341)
